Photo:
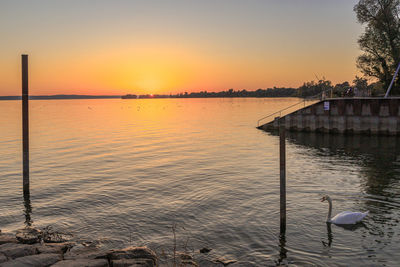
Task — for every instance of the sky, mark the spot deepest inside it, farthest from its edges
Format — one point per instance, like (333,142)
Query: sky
(169,46)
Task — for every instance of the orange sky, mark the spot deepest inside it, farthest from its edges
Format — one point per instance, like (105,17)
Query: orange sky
(120,47)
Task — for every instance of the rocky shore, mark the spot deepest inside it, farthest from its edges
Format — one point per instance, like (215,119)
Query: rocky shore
(36,248)
(41,248)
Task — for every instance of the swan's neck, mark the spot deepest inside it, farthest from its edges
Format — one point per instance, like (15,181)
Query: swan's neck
(328,219)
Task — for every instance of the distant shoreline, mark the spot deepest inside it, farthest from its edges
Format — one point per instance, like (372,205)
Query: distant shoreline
(55,97)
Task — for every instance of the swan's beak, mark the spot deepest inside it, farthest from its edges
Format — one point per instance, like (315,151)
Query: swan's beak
(323,199)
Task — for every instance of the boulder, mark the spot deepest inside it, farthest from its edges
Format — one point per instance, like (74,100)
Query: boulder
(7,238)
(39,260)
(51,236)
(3,258)
(29,235)
(82,262)
(142,255)
(133,263)
(82,252)
(59,248)
(13,250)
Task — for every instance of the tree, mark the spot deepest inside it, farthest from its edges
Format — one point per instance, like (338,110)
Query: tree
(361,87)
(312,88)
(381,40)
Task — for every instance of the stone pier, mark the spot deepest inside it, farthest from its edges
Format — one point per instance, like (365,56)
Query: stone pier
(372,116)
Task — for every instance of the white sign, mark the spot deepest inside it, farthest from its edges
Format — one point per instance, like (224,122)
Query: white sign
(326,105)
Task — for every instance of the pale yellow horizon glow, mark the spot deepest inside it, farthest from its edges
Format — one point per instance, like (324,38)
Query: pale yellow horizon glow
(133,47)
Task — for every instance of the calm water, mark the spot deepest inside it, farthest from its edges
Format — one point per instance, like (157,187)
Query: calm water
(125,171)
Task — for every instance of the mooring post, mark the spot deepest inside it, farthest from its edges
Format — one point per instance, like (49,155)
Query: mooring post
(282,164)
(25,123)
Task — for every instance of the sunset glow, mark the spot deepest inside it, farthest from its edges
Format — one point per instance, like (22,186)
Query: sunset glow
(139,47)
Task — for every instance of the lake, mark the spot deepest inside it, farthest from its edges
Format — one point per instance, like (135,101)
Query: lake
(126,172)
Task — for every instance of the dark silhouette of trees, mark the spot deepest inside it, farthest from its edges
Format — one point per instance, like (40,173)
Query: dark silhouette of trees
(314,88)
(340,89)
(381,40)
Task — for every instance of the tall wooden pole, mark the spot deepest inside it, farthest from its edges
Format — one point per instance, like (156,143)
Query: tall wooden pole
(25,124)
(282,165)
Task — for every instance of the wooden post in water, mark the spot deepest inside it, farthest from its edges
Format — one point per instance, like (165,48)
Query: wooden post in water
(25,124)
(282,165)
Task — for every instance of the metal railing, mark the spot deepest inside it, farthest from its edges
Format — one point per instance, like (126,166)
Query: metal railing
(317,97)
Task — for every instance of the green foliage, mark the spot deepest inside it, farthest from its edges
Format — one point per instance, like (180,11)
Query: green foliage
(380,42)
(314,88)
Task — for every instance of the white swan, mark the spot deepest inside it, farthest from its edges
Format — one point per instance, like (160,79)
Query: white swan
(345,217)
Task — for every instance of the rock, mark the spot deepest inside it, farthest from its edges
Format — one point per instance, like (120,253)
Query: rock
(133,263)
(186,259)
(82,252)
(39,260)
(184,256)
(59,248)
(13,250)
(205,250)
(3,258)
(224,261)
(29,235)
(143,254)
(7,238)
(82,262)
(50,236)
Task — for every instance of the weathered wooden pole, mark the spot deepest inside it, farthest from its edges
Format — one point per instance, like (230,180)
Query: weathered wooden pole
(25,123)
(282,165)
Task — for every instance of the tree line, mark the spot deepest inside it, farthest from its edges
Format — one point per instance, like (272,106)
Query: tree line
(358,87)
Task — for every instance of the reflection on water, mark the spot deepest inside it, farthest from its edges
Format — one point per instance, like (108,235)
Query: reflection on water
(377,160)
(28,207)
(328,243)
(282,250)
(126,171)
(378,156)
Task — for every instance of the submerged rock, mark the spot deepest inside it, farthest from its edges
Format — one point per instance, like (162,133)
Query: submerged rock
(205,250)
(51,236)
(29,235)
(224,261)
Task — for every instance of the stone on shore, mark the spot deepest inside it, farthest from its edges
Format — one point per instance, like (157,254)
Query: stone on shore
(3,258)
(133,263)
(13,250)
(7,238)
(82,252)
(59,248)
(29,235)
(39,260)
(140,256)
(50,236)
(82,262)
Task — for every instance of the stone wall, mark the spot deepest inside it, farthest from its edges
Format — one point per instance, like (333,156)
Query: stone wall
(345,115)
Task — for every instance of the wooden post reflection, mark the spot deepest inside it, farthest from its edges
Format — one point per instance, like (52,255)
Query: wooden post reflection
(28,208)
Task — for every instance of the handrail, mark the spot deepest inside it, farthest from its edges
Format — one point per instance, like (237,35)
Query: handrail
(280,111)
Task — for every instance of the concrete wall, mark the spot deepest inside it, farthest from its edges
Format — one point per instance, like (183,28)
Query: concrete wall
(345,115)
